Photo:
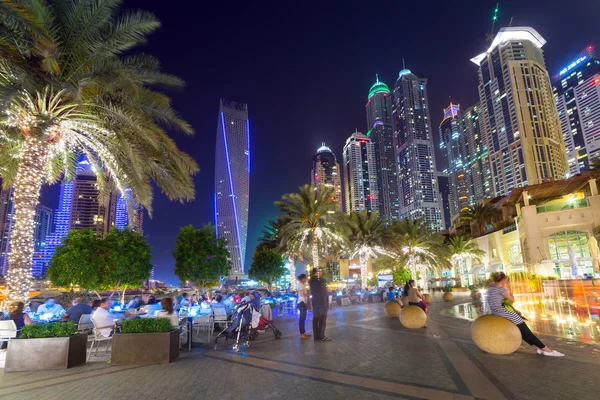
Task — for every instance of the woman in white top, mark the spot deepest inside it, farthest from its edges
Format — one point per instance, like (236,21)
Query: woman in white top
(303,305)
(168,312)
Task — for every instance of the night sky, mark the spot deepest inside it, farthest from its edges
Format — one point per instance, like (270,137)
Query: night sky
(305,67)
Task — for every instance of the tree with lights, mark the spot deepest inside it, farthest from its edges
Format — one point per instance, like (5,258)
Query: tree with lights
(419,247)
(200,256)
(365,238)
(310,221)
(68,91)
(461,250)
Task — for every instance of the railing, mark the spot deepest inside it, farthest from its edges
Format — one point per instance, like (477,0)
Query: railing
(582,203)
(510,228)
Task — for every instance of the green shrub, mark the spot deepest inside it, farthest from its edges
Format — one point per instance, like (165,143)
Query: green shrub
(146,325)
(447,289)
(52,329)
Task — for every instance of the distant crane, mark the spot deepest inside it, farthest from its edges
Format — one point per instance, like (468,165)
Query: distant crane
(490,36)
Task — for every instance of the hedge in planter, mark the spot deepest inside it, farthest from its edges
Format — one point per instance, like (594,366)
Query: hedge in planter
(145,341)
(40,347)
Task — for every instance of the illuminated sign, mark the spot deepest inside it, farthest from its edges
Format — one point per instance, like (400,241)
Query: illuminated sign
(572,65)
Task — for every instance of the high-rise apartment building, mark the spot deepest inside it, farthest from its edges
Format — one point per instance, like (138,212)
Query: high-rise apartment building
(360,177)
(577,95)
(443,179)
(417,174)
(232,180)
(89,208)
(381,133)
(43,227)
(465,158)
(520,119)
(326,174)
(131,216)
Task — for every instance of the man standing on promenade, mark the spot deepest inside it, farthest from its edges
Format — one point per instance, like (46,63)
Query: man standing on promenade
(320,303)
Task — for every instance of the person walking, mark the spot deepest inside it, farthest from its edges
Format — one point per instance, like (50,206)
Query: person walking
(320,303)
(302,305)
(497,293)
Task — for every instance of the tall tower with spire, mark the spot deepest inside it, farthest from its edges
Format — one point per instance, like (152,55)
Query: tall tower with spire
(326,174)
(381,133)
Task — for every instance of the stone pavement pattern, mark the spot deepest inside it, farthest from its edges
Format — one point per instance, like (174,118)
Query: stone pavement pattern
(371,357)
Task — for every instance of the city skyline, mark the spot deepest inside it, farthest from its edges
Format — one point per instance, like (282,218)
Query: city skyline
(257,73)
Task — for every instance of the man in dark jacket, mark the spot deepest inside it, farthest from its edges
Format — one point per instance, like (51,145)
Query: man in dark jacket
(320,303)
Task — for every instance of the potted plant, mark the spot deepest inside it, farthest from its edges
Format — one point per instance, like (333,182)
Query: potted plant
(42,347)
(145,341)
(448,296)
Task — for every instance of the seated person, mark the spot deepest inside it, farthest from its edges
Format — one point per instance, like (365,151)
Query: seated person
(136,302)
(95,304)
(184,301)
(75,312)
(152,306)
(168,312)
(102,319)
(218,302)
(16,313)
(50,307)
(193,301)
(391,296)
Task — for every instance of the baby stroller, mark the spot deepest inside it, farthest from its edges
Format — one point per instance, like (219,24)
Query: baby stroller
(264,324)
(240,327)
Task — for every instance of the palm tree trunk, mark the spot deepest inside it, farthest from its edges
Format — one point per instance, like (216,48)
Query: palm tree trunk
(292,263)
(363,271)
(412,267)
(26,196)
(315,254)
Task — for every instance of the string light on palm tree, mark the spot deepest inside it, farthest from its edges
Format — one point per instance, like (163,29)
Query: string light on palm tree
(461,250)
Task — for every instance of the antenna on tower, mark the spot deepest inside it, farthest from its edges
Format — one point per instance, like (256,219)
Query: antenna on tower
(403,65)
(510,23)
(490,36)
(377,78)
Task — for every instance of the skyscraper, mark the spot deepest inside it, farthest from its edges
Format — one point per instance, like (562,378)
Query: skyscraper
(381,133)
(43,226)
(89,208)
(444,196)
(453,145)
(577,95)
(326,173)
(413,143)
(476,162)
(520,119)
(128,216)
(360,178)
(232,180)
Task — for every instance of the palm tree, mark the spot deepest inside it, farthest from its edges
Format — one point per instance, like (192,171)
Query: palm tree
(418,246)
(67,90)
(462,249)
(271,239)
(365,237)
(310,221)
(478,214)
(594,164)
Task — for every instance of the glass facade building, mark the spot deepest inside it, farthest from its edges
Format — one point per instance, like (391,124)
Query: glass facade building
(326,173)
(381,133)
(415,159)
(360,178)
(232,180)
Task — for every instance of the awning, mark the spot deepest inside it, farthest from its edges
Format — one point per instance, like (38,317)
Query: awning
(495,266)
(477,269)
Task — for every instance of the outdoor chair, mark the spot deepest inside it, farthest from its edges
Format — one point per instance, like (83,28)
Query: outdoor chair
(183,332)
(8,330)
(98,339)
(289,306)
(332,302)
(85,324)
(220,319)
(203,322)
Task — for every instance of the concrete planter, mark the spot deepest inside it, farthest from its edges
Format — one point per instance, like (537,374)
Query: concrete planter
(448,296)
(46,353)
(145,348)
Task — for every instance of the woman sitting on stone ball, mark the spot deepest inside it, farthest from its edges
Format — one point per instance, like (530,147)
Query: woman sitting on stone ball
(497,293)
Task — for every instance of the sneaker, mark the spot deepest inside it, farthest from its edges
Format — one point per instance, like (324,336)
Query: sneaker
(553,353)
(539,351)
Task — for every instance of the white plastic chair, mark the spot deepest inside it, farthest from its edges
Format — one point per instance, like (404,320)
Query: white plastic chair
(98,339)
(8,330)
(203,321)
(220,318)
(85,324)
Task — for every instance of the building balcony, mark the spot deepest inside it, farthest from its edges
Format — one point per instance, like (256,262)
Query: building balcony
(568,205)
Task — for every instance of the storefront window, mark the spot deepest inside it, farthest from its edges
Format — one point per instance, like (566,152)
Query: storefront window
(577,241)
(514,254)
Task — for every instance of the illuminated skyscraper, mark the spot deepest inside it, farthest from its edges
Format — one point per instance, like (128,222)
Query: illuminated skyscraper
(326,173)
(232,180)
(360,178)
(124,216)
(520,119)
(417,174)
(89,209)
(381,133)
(577,95)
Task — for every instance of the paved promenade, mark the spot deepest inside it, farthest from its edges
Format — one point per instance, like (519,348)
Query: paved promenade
(371,357)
